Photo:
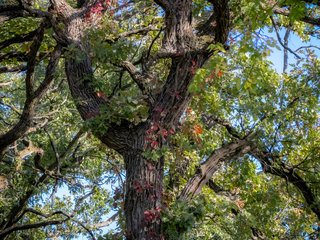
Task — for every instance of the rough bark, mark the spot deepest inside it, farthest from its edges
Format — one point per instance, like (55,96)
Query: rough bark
(179,37)
(143,197)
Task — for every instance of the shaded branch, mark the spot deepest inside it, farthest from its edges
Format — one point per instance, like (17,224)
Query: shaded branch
(16,213)
(72,144)
(33,12)
(289,174)
(10,70)
(11,11)
(214,187)
(19,39)
(61,213)
(14,228)
(55,151)
(25,121)
(210,120)
(36,212)
(32,56)
(20,56)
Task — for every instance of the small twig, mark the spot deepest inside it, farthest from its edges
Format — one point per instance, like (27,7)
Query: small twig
(310,46)
(152,43)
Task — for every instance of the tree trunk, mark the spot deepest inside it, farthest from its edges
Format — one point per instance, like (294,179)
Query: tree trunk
(143,197)
(144,178)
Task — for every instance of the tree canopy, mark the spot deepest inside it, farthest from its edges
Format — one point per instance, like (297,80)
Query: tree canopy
(164,118)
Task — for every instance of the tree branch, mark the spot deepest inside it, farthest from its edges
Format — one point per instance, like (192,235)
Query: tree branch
(62,213)
(16,211)
(210,120)
(306,19)
(105,223)
(14,228)
(289,174)
(11,70)
(280,41)
(206,169)
(32,56)
(236,149)
(143,31)
(19,39)
(285,52)
(140,79)
(25,120)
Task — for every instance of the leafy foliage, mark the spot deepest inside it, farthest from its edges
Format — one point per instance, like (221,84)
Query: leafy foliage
(58,170)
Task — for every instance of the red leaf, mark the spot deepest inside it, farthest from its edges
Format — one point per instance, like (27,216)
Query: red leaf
(101,94)
(154,144)
(171,131)
(219,73)
(189,110)
(197,129)
(164,133)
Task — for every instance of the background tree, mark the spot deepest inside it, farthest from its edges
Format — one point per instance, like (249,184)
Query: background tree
(176,97)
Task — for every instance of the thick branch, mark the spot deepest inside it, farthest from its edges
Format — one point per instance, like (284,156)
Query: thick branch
(284,171)
(306,19)
(62,8)
(205,171)
(289,174)
(222,18)
(180,42)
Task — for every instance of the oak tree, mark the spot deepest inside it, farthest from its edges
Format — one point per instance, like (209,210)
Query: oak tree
(175,103)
